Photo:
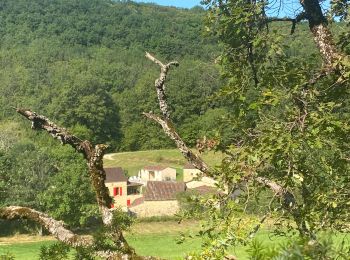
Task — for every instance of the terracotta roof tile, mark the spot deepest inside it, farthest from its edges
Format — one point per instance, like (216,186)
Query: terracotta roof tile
(163,190)
(115,174)
(137,202)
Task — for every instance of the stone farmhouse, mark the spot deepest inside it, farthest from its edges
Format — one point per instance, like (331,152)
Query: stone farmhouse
(120,189)
(160,199)
(154,191)
(157,173)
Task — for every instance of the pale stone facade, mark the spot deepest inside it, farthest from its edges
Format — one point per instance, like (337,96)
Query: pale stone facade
(193,179)
(156,208)
(157,173)
(133,197)
(118,191)
(189,174)
(204,181)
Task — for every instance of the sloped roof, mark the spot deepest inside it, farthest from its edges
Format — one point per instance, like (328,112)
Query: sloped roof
(134,184)
(155,168)
(189,166)
(202,190)
(137,202)
(115,174)
(163,190)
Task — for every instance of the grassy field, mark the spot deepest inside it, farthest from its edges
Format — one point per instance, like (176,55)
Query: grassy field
(134,161)
(150,238)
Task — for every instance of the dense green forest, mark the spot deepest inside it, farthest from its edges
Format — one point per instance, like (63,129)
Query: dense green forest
(81,63)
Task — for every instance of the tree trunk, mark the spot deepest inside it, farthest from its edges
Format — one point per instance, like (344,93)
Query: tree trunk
(322,35)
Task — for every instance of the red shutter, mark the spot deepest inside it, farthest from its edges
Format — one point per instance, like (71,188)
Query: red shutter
(128,203)
(120,191)
(115,191)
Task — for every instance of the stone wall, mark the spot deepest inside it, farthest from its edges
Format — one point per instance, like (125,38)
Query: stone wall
(156,208)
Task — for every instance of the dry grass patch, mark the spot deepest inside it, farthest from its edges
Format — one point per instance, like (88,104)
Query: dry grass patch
(24,239)
(167,227)
(134,161)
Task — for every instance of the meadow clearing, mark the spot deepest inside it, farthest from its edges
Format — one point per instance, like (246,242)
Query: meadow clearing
(157,238)
(148,238)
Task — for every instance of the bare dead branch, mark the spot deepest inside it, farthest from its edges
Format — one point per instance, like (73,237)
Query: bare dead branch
(63,234)
(170,131)
(59,133)
(160,83)
(322,35)
(55,227)
(93,156)
(194,159)
(94,159)
(301,16)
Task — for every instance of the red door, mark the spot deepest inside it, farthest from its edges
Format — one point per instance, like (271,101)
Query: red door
(128,203)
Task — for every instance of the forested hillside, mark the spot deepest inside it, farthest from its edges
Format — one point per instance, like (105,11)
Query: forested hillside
(82,63)
(270,93)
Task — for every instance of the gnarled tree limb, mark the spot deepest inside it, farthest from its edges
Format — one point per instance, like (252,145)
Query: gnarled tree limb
(322,35)
(93,156)
(170,131)
(55,227)
(94,159)
(160,83)
(194,159)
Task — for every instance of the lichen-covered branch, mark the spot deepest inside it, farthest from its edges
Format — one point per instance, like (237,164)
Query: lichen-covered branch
(194,159)
(322,35)
(55,227)
(94,159)
(92,154)
(160,83)
(59,133)
(170,131)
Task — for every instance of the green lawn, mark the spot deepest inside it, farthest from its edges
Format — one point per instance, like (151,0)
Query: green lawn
(160,244)
(148,238)
(25,250)
(134,161)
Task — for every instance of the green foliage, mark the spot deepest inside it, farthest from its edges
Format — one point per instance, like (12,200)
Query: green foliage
(323,249)
(191,205)
(56,251)
(121,220)
(282,128)
(42,174)
(86,72)
(7,256)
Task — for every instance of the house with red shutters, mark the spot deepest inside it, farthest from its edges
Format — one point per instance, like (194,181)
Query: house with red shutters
(120,189)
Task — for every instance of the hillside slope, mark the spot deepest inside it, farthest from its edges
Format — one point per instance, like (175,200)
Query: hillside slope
(132,162)
(81,63)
